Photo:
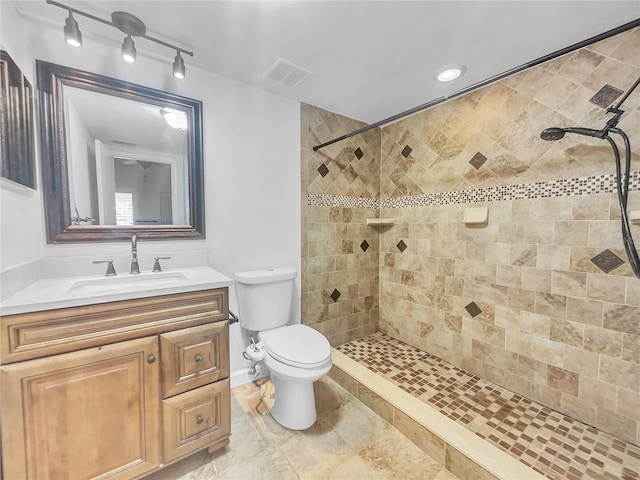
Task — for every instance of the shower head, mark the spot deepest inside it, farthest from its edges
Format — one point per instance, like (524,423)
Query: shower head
(553,133)
(556,133)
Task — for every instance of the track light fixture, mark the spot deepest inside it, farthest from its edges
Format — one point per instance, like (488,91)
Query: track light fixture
(129,50)
(128,24)
(178,66)
(72,34)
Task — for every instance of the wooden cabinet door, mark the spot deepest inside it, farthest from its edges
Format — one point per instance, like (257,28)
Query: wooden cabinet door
(87,414)
(193,357)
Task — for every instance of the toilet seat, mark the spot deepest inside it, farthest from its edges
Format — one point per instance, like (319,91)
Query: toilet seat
(298,346)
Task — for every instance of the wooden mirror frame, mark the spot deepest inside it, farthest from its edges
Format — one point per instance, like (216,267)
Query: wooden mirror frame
(51,79)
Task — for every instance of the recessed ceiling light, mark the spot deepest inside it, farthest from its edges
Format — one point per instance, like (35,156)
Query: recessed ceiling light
(450,72)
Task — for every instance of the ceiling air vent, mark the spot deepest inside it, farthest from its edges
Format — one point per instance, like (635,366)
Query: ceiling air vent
(123,143)
(286,73)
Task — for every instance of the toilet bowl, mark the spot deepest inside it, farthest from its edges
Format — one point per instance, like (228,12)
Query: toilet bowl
(296,356)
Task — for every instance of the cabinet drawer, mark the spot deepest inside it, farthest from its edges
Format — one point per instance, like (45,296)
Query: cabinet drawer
(193,357)
(196,419)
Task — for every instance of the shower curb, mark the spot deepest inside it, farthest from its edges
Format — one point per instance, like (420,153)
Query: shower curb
(457,449)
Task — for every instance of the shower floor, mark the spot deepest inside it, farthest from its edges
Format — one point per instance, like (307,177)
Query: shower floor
(551,443)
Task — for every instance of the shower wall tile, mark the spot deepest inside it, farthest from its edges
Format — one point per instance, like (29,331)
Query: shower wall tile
(339,277)
(568,322)
(584,310)
(631,348)
(583,362)
(632,292)
(554,326)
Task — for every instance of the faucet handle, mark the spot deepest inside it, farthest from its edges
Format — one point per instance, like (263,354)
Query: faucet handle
(156,264)
(110,270)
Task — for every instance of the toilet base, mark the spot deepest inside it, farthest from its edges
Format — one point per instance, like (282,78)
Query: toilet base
(295,403)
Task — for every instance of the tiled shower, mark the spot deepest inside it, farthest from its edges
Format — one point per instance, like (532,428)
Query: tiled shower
(540,299)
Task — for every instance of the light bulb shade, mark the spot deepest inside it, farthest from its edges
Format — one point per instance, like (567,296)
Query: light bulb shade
(72,34)
(128,50)
(178,66)
(175,118)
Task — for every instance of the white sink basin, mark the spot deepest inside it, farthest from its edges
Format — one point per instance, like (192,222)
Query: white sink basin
(125,283)
(61,292)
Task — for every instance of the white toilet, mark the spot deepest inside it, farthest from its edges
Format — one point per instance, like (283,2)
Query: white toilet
(295,355)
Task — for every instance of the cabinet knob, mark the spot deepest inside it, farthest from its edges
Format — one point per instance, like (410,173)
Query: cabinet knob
(151,359)
(198,358)
(199,419)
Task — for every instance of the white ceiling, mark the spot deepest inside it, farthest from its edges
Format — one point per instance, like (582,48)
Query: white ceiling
(370,59)
(109,118)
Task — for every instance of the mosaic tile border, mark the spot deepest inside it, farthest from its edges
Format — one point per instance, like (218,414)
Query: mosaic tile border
(322,200)
(566,187)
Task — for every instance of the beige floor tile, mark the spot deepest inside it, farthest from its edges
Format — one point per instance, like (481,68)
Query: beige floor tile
(355,468)
(393,457)
(316,451)
(328,397)
(445,475)
(265,466)
(195,467)
(255,401)
(348,442)
(356,424)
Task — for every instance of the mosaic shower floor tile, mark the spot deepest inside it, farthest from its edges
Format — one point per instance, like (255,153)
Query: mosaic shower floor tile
(551,443)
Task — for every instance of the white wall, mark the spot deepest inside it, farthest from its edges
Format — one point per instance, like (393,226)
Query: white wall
(82,162)
(251,149)
(20,207)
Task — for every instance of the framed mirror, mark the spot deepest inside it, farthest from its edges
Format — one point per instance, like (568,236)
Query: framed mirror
(118,158)
(17,145)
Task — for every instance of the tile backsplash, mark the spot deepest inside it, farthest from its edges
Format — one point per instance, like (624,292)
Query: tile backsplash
(541,299)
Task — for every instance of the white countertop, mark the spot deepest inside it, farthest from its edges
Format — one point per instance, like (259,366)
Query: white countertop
(64,292)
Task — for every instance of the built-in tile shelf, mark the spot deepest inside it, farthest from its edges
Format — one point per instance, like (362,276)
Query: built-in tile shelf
(475,216)
(381,221)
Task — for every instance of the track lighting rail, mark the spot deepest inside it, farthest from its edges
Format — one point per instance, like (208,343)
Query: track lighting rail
(129,25)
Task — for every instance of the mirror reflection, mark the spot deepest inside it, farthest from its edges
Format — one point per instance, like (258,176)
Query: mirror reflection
(127,162)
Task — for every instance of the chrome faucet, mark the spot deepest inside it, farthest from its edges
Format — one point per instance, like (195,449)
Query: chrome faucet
(135,268)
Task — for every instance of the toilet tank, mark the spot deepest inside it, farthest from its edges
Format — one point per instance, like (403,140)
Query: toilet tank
(264,297)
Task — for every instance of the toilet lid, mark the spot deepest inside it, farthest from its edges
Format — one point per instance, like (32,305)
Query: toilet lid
(297,345)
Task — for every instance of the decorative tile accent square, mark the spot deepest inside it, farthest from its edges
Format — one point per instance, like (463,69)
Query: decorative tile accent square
(323,170)
(607,261)
(358,153)
(335,295)
(406,151)
(478,160)
(401,246)
(606,96)
(364,245)
(473,309)
(551,443)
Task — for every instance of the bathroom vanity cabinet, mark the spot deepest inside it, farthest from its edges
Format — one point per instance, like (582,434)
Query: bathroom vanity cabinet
(114,390)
